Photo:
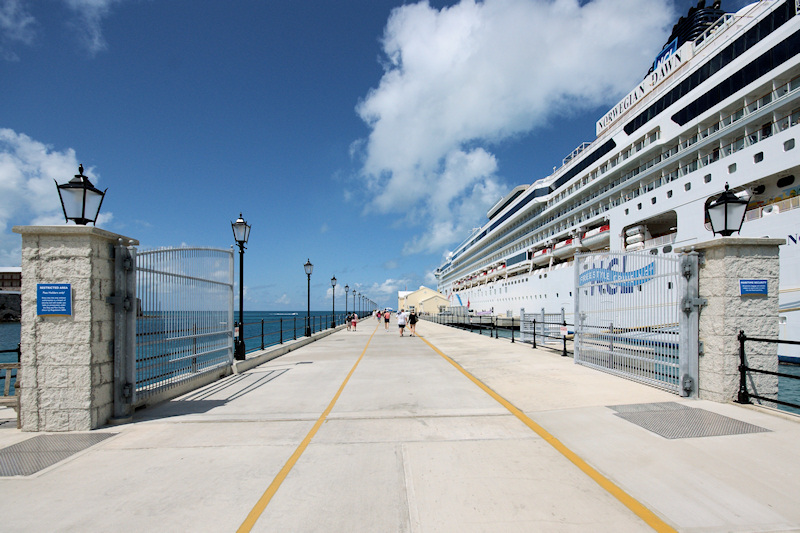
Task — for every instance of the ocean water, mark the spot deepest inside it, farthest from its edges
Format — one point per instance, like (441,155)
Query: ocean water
(286,325)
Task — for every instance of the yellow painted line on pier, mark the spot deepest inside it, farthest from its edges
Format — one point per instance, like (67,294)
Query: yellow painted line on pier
(626,499)
(262,503)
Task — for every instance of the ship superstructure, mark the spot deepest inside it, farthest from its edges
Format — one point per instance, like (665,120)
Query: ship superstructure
(721,104)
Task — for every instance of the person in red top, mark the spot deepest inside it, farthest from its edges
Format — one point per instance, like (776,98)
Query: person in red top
(386,317)
(354,321)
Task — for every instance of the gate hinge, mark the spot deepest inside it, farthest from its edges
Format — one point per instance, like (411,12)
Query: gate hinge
(124,301)
(687,304)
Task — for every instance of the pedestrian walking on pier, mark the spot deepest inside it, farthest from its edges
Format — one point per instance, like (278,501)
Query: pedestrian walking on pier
(354,321)
(401,321)
(386,317)
(347,320)
(412,322)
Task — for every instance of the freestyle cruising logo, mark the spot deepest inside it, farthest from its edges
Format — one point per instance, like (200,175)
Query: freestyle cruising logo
(623,279)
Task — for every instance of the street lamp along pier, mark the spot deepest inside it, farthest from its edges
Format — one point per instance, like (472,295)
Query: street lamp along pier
(241,232)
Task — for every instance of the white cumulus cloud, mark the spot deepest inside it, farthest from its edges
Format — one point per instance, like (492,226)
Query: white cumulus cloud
(16,26)
(459,80)
(27,192)
(90,15)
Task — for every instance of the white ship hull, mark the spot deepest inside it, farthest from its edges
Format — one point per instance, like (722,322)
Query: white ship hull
(648,187)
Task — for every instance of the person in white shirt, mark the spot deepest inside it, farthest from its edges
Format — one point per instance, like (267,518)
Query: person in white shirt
(402,317)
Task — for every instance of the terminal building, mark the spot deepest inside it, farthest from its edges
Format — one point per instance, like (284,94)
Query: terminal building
(422,300)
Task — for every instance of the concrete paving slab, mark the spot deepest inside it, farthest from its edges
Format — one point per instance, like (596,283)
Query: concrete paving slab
(412,445)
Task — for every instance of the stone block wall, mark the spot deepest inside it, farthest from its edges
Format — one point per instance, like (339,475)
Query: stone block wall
(67,361)
(726,261)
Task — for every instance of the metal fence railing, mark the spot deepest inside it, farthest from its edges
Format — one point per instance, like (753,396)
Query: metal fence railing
(184,323)
(494,326)
(267,332)
(744,395)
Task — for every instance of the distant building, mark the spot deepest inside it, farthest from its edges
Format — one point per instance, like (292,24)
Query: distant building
(10,294)
(11,279)
(423,300)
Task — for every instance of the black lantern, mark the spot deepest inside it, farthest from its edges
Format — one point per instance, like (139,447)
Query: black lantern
(726,213)
(309,268)
(80,200)
(241,232)
(333,300)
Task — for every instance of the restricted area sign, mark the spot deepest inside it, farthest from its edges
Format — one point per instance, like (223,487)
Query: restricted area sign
(53,299)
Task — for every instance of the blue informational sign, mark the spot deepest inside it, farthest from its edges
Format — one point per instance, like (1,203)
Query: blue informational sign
(752,286)
(53,299)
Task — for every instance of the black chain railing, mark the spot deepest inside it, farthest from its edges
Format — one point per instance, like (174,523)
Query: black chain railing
(561,336)
(744,395)
(496,326)
(278,331)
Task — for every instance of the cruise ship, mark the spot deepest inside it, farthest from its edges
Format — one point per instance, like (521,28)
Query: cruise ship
(720,105)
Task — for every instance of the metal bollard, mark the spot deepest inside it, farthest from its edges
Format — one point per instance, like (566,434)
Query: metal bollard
(564,338)
(534,333)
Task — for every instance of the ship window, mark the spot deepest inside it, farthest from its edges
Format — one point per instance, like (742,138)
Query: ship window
(639,206)
(669,194)
(788,145)
(667,249)
(627,211)
(707,178)
(758,158)
(669,285)
(732,168)
(785,182)
(653,200)
(687,186)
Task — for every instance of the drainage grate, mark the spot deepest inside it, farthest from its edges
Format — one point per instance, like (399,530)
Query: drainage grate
(673,420)
(30,456)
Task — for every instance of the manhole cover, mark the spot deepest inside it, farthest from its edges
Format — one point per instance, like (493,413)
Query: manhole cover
(672,420)
(30,456)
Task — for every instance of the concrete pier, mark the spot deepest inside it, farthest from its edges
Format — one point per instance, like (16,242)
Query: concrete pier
(367,431)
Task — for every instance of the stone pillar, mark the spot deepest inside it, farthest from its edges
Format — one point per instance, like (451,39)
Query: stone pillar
(724,262)
(67,361)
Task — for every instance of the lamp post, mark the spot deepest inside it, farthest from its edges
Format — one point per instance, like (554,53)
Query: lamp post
(333,300)
(726,213)
(80,200)
(309,268)
(346,295)
(241,232)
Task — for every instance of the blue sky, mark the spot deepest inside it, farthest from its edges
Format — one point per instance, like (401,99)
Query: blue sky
(368,136)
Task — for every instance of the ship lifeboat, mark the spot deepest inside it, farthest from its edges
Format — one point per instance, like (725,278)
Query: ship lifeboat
(497,272)
(566,248)
(597,238)
(541,257)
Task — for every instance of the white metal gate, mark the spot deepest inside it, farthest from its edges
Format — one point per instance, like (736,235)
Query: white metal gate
(541,327)
(184,317)
(636,316)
